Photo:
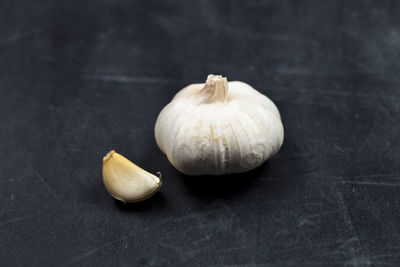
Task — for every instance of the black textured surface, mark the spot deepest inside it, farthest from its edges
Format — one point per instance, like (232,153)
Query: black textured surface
(78,78)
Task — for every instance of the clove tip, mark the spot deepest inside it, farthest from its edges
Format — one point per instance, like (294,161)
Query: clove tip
(108,156)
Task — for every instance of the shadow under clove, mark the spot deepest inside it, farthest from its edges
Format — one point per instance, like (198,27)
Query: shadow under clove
(155,201)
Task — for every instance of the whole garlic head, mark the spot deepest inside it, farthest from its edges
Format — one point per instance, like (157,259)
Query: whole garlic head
(218,128)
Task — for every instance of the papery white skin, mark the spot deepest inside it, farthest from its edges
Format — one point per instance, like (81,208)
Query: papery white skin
(218,128)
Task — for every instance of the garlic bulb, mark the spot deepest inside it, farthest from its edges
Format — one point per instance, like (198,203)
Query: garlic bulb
(218,128)
(127,182)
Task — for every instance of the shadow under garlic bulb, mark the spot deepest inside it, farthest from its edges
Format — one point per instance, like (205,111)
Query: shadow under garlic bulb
(219,127)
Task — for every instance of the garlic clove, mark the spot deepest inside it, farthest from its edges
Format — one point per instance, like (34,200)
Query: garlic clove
(126,181)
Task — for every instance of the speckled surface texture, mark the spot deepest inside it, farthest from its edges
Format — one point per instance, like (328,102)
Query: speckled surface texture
(78,78)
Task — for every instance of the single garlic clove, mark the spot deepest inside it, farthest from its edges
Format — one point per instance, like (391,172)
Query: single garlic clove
(127,182)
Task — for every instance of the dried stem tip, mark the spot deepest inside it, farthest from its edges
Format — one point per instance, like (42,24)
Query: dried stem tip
(216,87)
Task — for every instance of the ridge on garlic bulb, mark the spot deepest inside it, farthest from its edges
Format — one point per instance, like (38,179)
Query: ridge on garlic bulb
(219,127)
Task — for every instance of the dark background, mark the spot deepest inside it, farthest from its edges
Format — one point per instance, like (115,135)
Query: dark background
(79,78)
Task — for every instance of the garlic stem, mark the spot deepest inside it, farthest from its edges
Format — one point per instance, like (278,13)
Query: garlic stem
(216,89)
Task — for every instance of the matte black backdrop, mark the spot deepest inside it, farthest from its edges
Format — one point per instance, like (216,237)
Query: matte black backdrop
(78,78)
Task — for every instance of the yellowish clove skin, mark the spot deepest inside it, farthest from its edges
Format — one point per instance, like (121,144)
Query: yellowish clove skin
(126,181)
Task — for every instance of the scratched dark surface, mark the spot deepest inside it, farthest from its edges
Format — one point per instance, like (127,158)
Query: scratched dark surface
(78,78)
